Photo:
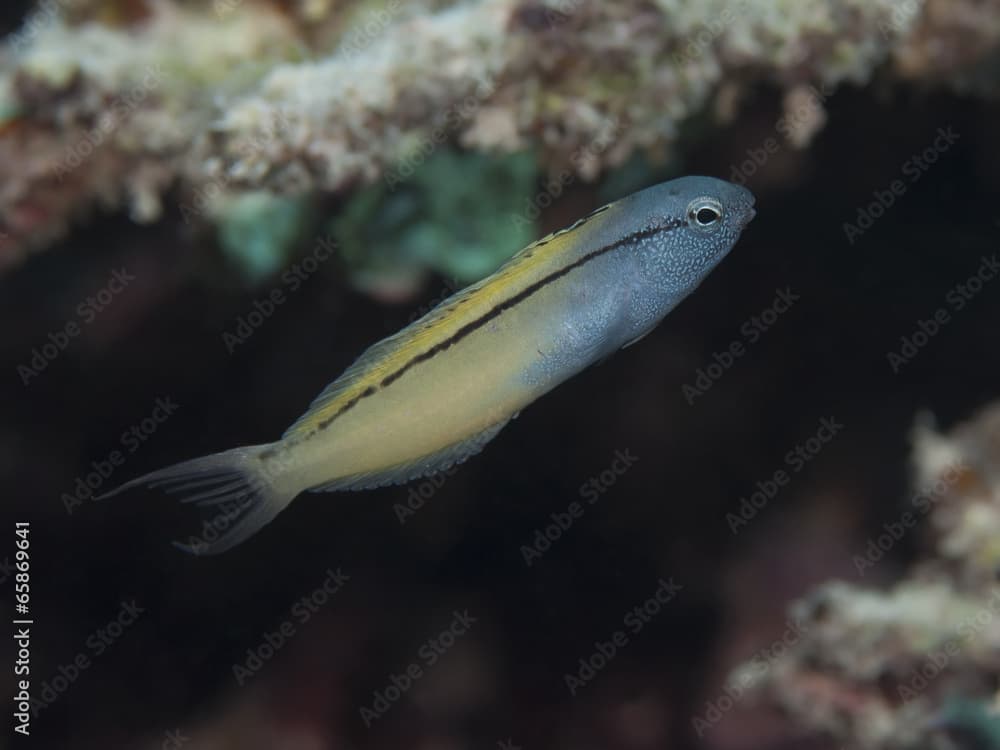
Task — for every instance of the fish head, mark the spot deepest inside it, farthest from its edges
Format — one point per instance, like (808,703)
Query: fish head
(687,226)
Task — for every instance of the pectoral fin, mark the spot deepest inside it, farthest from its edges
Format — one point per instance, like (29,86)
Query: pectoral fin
(637,339)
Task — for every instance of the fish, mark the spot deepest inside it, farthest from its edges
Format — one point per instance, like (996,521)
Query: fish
(434,394)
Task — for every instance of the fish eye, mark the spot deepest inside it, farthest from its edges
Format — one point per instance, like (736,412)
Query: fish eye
(705,213)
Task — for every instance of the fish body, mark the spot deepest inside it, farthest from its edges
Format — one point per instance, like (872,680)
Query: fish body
(435,393)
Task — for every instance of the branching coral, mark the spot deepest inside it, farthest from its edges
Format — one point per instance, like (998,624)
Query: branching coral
(244,95)
(918,665)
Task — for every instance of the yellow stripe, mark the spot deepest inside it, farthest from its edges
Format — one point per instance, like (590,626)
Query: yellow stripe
(384,358)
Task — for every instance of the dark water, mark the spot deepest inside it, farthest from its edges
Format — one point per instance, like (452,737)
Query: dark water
(663,518)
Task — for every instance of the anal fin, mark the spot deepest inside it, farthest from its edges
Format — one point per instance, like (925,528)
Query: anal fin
(432,463)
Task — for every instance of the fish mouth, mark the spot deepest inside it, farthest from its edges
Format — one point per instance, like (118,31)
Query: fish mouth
(747,201)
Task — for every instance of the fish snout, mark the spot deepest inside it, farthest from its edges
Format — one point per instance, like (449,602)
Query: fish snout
(747,210)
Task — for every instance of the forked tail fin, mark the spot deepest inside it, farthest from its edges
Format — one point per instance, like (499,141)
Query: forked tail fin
(236,484)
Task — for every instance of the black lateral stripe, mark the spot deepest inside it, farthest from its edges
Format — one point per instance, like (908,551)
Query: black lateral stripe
(499,309)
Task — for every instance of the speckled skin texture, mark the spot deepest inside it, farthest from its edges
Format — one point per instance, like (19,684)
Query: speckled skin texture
(671,265)
(620,296)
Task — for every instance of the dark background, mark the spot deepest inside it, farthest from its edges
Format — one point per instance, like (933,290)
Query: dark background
(665,517)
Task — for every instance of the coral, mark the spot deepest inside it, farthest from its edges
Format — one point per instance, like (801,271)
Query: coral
(97,115)
(955,42)
(391,231)
(258,230)
(113,107)
(918,664)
